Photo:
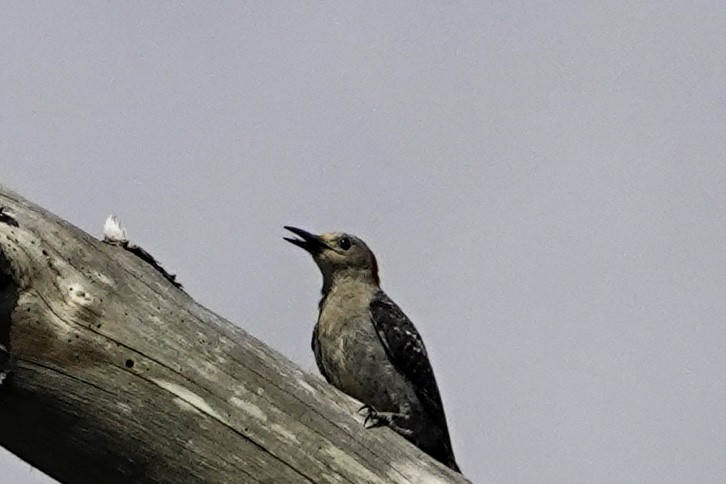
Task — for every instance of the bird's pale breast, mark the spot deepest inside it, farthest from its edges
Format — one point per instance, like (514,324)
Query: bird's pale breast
(353,354)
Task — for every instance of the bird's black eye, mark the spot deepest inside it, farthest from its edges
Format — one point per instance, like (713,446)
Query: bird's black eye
(344,243)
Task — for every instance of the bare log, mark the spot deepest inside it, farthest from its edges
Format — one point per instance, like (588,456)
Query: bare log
(115,375)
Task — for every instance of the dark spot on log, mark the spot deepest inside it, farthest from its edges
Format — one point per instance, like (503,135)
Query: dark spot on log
(7,219)
(129,363)
(45,252)
(8,300)
(146,257)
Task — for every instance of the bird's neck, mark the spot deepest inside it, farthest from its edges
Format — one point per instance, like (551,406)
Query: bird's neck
(347,277)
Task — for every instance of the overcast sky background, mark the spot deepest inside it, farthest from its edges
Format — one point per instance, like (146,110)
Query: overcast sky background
(544,184)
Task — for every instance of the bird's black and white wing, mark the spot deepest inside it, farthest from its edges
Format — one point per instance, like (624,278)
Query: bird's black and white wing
(405,349)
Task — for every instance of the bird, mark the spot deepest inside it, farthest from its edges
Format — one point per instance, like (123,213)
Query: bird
(366,346)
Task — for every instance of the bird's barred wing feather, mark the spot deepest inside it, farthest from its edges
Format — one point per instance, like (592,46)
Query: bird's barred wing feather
(406,351)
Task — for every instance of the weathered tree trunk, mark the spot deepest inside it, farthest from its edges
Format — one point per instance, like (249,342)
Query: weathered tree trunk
(121,377)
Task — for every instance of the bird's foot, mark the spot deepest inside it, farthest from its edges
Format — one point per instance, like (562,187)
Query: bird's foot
(374,418)
(392,420)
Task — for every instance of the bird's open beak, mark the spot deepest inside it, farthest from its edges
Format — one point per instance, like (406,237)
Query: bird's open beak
(310,242)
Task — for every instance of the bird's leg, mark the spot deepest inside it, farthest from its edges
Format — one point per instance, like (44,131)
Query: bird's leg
(392,420)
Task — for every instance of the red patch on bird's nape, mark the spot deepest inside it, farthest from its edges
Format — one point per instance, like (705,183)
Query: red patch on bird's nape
(374,269)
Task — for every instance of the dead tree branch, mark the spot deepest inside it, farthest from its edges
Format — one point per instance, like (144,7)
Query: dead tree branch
(111,374)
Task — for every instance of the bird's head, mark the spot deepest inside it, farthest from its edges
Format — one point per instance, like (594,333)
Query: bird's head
(337,254)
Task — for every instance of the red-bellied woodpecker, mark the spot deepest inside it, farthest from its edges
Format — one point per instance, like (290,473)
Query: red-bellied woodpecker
(365,346)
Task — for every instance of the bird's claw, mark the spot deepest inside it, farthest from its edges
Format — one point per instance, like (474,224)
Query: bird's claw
(365,409)
(373,419)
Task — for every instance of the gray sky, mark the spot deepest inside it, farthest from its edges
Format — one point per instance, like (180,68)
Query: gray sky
(544,184)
